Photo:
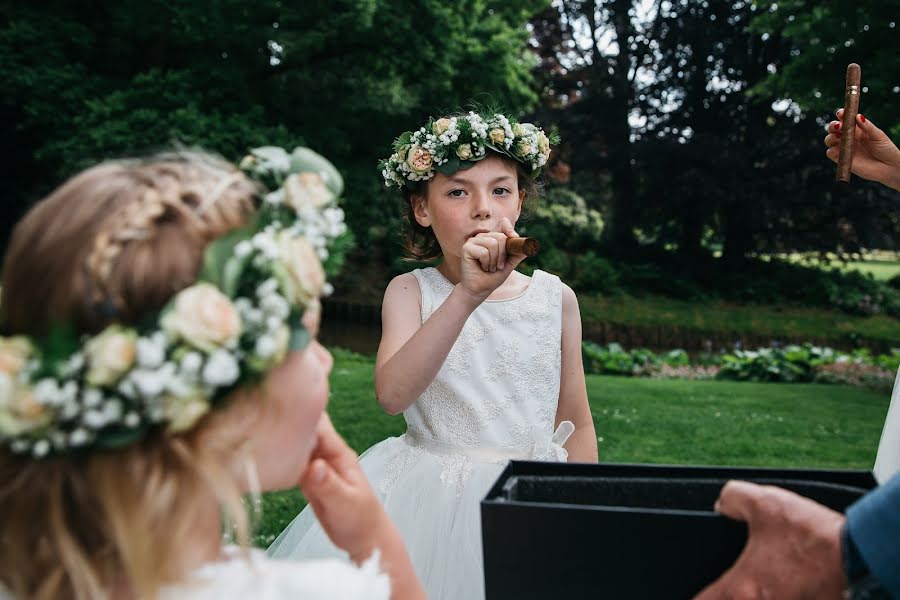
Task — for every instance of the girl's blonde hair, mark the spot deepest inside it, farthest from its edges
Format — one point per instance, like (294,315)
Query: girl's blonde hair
(114,244)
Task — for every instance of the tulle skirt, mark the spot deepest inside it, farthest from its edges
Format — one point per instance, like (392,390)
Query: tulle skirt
(432,491)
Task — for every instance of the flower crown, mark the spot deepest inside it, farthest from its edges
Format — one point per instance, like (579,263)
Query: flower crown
(453,143)
(65,392)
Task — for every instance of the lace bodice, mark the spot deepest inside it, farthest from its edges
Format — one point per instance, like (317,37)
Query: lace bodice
(499,386)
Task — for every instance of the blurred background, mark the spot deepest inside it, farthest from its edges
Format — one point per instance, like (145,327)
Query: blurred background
(690,203)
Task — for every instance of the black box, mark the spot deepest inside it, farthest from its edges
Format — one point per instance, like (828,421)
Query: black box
(617,531)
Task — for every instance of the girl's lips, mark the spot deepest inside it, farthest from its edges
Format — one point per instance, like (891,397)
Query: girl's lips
(477,231)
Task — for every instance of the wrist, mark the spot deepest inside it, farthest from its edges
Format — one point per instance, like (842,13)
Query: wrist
(382,537)
(470,300)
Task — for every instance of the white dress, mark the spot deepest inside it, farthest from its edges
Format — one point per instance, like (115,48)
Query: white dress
(887,463)
(494,399)
(262,578)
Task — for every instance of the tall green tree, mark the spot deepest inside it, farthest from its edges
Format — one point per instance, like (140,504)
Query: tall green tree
(86,81)
(824,37)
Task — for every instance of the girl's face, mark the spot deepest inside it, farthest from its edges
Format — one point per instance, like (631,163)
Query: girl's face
(283,438)
(469,202)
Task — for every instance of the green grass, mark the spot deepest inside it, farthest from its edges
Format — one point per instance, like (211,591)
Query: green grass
(768,320)
(654,421)
(883,265)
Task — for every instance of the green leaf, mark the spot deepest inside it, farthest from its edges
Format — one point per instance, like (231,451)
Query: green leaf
(300,338)
(217,255)
(119,437)
(450,167)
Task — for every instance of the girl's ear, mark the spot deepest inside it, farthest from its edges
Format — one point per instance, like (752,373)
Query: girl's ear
(420,210)
(521,201)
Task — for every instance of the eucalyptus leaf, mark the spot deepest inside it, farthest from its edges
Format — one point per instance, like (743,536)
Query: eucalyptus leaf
(299,338)
(217,255)
(450,167)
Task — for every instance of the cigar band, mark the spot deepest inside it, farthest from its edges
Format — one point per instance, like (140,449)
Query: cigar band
(853,90)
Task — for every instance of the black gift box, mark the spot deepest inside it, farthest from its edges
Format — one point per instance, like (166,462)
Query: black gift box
(558,530)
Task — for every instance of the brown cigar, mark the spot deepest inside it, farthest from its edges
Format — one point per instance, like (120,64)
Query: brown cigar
(519,245)
(848,125)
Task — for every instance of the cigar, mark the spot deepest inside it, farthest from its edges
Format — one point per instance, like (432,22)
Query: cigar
(848,125)
(523,245)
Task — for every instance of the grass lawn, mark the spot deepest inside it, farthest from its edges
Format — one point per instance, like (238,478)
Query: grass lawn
(768,320)
(883,265)
(655,421)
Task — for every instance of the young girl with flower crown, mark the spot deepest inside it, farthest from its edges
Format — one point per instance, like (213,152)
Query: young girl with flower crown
(162,364)
(483,361)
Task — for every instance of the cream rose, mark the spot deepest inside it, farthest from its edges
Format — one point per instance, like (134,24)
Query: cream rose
(110,355)
(203,317)
(525,149)
(497,135)
(14,353)
(419,159)
(543,143)
(306,189)
(464,152)
(20,411)
(183,411)
(440,126)
(298,269)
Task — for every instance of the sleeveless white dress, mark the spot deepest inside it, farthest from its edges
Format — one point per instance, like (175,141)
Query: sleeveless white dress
(493,400)
(887,463)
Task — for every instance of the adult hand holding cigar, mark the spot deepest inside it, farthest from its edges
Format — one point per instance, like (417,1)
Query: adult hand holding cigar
(875,156)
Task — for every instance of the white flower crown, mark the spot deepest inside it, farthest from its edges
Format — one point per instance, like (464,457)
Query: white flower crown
(65,392)
(453,143)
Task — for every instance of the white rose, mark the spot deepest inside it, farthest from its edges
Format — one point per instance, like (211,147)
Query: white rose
(419,160)
(440,126)
(183,411)
(464,152)
(14,353)
(497,135)
(20,411)
(298,269)
(306,189)
(110,355)
(203,317)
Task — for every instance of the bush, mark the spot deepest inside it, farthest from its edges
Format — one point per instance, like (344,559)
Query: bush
(594,274)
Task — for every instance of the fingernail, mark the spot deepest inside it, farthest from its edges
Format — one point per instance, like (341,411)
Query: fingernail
(863,118)
(839,125)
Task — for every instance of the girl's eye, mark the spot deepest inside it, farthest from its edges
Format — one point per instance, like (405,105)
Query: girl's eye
(501,190)
(456,193)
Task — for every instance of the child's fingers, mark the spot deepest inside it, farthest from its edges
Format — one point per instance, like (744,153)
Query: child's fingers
(332,448)
(489,243)
(475,251)
(506,227)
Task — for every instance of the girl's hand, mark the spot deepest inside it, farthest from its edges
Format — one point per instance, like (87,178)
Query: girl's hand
(337,489)
(875,157)
(485,264)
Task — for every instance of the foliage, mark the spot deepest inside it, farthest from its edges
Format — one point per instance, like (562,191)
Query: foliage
(824,36)
(139,76)
(791,364)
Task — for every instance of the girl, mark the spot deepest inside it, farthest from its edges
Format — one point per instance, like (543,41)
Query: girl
(483,361)
(137,400)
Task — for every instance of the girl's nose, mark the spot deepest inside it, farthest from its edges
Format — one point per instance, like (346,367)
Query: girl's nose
(481,206)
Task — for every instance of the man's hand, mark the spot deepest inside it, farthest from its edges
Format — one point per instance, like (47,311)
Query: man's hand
(793,550)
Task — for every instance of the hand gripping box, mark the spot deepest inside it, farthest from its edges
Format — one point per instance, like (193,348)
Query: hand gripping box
(619,531)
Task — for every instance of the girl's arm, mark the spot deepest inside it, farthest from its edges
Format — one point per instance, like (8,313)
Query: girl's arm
(573,400)
(411,352)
